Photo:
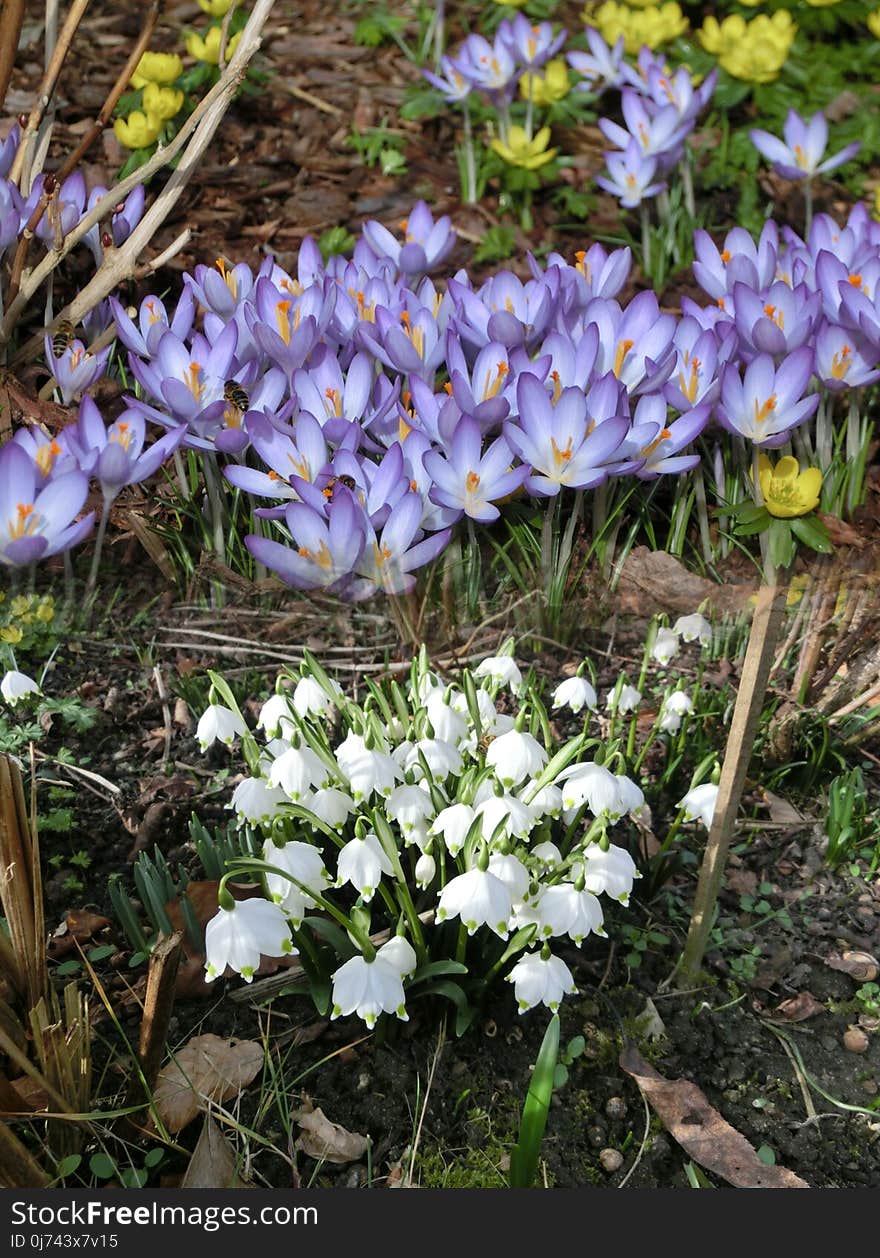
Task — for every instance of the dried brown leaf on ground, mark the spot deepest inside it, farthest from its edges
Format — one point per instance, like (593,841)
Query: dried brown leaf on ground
(325,1140)
(213,1163)
(207,1068)
(781,811)
(701,1131)
(655,579)
(800,1007)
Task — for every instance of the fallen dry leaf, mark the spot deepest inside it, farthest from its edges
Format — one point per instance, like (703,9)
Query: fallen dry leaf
(800,1007)
(327,1141)
(652,579)
(701,1131)
(781,811)
(207,1068)
(743,881)
(213,1163)
(858,965)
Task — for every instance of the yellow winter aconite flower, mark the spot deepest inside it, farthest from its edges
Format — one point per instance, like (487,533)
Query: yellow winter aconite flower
(137,131)
(873,20)
(521,151)
(11,634)
(162,102)
(46,611)
(754,51)
(654,25)
(208,49)
(215,8)
(786,490)
(821,4)
(547,88)
(157,67)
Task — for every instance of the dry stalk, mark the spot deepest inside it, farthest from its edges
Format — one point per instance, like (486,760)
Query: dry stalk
(21,166)
(119,264)
(62,1046)
(11,19)
(71,163)
(21,889)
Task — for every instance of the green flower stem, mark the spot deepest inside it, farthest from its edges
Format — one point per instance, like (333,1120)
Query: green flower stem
(461,945)
(640,686)
(405,900)
(263,867)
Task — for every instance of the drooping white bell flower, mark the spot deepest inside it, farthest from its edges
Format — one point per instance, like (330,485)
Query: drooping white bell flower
(593,785)
(548,854)
(627,701)
(452,824)
(309,698)
(254,800)
(512,873)
(632,797)
(239,936)
(518,818)
(665,647)
(16,686)
(575,693)
(613,872)
(448,720)
(515,756)
(367,771)
(494,723)
(500,668)
(442,759)
(563,910)
(675,706)
(694,628)
(547,802)
(368,988)
(479,898)
(399,953)
(537,981)
(362,862)
(298,771)
(410,807)
(331,805)
(275,717)
(218,724)
(426,868)
(699,803)
(306,864)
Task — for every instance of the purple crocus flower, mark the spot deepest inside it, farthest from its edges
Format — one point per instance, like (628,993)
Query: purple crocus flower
(221,288)
(860,302)
(678,90)
(700,354)
(8,150)
(64,211)
(468,480)
(454,81)
(123,221)
(325,549)
(659,440)
(505,309)
(75,370)
(531,44)
(287,327)
(409,342)
(491,67)
(602,66)
(37,523)
(10,213)
(777,321)
(631,176)
(840,362)
(569,443)
(143,338)
(659,133)
(114,455)
(485,391)
(635,343)
(767,402)
(190,381)
(52,456)
(739,259)
(389,559)
(426,243)
(800,156)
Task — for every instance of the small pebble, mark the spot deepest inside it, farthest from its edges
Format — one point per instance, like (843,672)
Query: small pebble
(855,1040)
(596,1136)
(610,1161)
(364,1081)
(615,1107)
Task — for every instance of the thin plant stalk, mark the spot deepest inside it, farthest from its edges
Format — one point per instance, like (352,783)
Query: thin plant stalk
(646,238)
(470,164)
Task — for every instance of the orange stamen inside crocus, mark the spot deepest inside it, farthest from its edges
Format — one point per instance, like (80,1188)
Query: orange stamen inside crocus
(282,318)
(763,413)
(472,482)
(46,456)
(623,348)
(649,449)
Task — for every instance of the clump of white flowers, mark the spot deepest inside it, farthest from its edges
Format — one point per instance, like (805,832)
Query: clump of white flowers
(473,837)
